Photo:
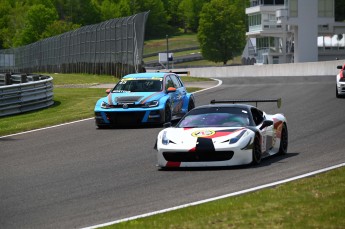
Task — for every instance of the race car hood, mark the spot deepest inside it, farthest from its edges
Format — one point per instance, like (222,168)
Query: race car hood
(186,136)
(121,97)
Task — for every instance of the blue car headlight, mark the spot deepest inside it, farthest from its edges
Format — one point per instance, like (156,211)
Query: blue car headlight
(153,103)
(104,105)
(238,137)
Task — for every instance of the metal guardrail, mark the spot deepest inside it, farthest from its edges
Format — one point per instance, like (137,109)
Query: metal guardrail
(24,93)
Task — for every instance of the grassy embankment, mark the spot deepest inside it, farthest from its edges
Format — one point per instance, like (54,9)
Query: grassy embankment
(178,42)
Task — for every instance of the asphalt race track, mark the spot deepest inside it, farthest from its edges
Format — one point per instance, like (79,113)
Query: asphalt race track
(75,175)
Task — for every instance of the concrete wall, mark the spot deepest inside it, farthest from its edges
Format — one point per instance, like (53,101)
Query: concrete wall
(295,69)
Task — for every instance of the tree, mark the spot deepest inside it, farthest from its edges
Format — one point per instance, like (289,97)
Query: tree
(12,17)
(174,14)
(190,13)
(5,8)
(83,12)
(114,9)
(58,27)
(157,25)
(221,31)
(37,19)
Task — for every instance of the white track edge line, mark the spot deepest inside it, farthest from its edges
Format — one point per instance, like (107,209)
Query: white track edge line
(219,83)
(68,123)
(45,128)
(219,197)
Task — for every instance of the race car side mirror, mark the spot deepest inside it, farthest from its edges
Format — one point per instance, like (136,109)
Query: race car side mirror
(107,91)
(266,123)
(171,89)
(339,67)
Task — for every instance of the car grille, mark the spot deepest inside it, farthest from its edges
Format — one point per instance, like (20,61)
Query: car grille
(128,99)
(125,118)
(198,156)
(132,105)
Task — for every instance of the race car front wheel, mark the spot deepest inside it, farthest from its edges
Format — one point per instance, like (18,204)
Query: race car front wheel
(191,104)
(167,113)
(256,151)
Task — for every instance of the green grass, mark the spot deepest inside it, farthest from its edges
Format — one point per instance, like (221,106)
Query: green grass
(88,79)
(175,42)
(314,202)
(70,104)
(63,79)
(179,42)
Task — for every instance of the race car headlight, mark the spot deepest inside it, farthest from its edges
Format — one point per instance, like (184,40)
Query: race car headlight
(104,105)
(165,140)
(152,103)
(238,137)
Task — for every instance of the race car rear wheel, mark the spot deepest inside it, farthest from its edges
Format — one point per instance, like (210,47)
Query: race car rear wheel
(256,151)
(283,140)
(167,113)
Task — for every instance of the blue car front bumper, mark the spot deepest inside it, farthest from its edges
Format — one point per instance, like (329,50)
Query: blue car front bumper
(120,117)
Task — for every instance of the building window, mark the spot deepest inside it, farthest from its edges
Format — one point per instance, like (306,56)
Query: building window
(293,8)
(326,8)
(264,42)
(266,2)
(255,19)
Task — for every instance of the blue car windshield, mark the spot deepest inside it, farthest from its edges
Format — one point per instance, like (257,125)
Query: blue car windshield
(139,85)
(215,117)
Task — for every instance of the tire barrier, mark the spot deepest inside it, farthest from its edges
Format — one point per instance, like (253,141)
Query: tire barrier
(21,93)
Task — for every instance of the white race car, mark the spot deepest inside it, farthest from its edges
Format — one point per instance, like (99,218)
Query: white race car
(340,89)
(222,134)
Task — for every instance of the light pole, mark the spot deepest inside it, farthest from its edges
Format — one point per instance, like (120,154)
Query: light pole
(167,51)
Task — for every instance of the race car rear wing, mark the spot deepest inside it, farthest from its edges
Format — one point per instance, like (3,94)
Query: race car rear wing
(256,101)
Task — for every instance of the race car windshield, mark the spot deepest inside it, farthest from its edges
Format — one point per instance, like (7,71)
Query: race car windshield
(139,85)
(215,117)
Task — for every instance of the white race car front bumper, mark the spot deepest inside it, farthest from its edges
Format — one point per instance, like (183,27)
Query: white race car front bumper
(223,154)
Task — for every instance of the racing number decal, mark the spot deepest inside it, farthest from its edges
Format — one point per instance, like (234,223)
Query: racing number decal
(203,133)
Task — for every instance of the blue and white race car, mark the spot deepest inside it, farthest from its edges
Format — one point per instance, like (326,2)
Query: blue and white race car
(144,98)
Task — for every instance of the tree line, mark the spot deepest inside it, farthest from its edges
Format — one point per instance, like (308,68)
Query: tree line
(25,21)
(220,24)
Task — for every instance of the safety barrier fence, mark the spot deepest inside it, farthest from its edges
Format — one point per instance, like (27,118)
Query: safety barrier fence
(112,47)
(21,93)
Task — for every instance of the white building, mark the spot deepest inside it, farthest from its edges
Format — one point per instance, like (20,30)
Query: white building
(287,31)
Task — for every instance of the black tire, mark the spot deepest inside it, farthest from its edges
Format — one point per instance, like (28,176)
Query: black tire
(167,113)
(284,139)
(191,104)
(257,155)
(336,92)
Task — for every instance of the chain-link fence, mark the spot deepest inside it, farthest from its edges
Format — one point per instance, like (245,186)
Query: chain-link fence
(112,47)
